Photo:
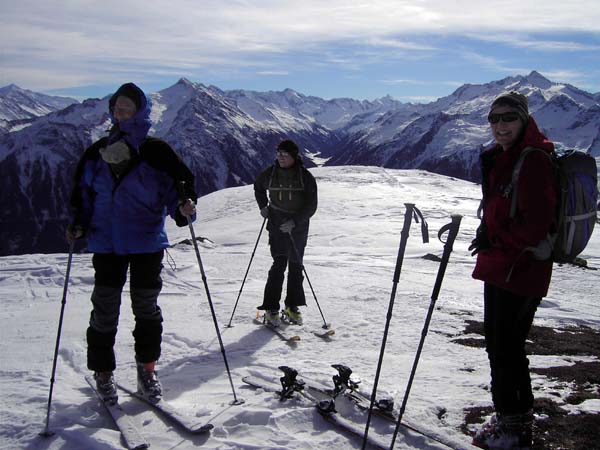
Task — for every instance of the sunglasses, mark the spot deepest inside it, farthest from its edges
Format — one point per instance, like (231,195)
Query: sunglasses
(280,153)
(505,117)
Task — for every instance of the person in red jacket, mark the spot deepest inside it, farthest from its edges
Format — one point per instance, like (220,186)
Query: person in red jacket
(515,280)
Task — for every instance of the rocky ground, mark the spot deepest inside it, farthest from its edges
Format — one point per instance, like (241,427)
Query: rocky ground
(554,427)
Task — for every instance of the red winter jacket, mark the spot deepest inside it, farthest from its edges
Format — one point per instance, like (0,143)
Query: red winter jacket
(505,264)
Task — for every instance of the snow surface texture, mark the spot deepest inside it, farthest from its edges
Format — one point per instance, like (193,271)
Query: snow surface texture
(350,260)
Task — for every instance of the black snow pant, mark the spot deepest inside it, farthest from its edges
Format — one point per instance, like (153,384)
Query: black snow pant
(145,285)
(507,321)
(284,255)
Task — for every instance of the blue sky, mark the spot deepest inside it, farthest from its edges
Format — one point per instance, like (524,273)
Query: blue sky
(416,50)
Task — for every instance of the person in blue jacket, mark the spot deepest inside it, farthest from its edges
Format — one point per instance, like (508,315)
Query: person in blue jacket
(125,185)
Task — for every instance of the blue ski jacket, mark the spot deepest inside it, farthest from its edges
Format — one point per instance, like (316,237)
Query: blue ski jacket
(126,214)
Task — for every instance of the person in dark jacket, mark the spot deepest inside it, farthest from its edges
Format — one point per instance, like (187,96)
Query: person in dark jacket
(515,280)
(292,202)
(125,185)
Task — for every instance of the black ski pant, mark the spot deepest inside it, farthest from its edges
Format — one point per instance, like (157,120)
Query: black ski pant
(507,321)
(284,255)
(145,285)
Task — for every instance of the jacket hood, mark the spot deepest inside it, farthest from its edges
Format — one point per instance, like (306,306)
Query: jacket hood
(533,137)
(135,129)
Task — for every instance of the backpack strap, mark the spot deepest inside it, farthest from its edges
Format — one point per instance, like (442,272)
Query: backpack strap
(514,183)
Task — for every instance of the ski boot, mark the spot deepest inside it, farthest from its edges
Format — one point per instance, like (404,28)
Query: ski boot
(293,315)
(106,386)
(506,432)
(148,383)
(272,318)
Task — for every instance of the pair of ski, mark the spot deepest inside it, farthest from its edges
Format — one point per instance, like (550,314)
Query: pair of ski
(134,440)
(286,331)
(324,401)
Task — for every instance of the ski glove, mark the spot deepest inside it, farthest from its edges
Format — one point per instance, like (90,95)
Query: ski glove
(187,208)
(287,226)
(73,233)
(481,241)
(265,212)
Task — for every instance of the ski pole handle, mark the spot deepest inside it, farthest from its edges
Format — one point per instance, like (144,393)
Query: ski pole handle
(452,229)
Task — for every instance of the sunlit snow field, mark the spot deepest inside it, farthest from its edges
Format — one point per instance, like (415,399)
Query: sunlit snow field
(350,260)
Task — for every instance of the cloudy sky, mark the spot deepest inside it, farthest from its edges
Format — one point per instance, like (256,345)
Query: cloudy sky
(416,50)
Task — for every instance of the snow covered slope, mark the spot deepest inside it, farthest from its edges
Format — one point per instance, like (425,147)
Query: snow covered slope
(350,260)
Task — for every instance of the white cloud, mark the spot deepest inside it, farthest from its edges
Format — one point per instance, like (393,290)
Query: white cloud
(398,44)
(71,41)
(493,63)
(273,72)
(526,41)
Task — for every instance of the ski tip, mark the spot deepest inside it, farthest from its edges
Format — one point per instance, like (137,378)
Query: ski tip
(202,429)
(324,334)
(326,407)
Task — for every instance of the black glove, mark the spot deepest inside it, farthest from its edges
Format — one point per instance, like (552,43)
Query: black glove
(265,212)
(74,232)
(481,241)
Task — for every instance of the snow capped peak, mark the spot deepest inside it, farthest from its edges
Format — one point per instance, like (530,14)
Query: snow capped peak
(538,80)
(10,88)
(18,104)
(185,81)
(290,93)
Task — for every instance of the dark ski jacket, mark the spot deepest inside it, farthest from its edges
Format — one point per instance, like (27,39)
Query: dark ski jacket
(505,263)
(292,194)
(126,214)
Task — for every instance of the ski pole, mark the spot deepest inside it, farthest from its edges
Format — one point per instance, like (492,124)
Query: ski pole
(325,324)
(411,211)
(452,229)
(247,270)
(236,401)
(47,432)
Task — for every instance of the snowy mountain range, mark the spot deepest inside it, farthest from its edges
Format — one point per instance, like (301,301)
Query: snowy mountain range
(19,107)
(227,137)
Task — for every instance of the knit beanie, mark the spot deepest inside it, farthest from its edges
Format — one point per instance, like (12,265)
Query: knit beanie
(288,146)
(514,100)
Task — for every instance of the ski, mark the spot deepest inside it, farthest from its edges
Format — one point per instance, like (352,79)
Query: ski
(348,388)
(291,387)
(324,408)
(131,435)
(279,331)
(171,413)
(383,408)
(325,333)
